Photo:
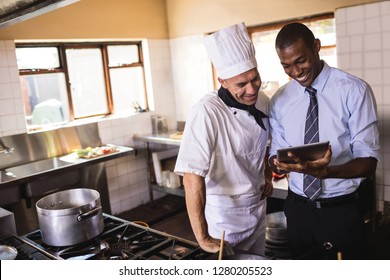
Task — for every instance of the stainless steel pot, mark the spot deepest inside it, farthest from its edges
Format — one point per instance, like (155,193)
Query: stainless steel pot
(7,252)
(276,227)
(70,217)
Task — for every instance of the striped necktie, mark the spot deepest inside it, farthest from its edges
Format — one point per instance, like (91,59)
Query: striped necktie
(311,185)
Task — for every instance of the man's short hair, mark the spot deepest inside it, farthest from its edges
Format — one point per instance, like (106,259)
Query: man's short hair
(292,32)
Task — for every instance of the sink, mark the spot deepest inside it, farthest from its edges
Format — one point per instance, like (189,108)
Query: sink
(27,170)
(36,185)
(35,167)
(4,176)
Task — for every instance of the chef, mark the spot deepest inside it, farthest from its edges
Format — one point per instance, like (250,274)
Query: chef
(222,153)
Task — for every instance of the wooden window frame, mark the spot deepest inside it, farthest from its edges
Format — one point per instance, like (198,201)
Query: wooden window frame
(63,68)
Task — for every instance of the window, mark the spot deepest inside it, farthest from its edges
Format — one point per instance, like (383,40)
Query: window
(271,72)
(126,76)
(62,82)
(87,82)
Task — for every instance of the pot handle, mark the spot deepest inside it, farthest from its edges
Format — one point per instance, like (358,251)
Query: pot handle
(88,214)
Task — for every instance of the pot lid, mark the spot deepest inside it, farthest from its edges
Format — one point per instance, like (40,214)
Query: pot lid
(7,252)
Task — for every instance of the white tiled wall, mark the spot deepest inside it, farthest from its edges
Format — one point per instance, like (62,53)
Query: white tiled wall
(11,106)
(363,49)
(158,58)
(191,72)
(126,176)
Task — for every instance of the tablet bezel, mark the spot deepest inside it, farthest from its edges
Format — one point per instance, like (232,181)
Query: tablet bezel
(312,151)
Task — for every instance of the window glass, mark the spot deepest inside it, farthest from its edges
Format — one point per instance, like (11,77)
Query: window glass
(45,99)
(325,30)
(271,72)
(120,55)
(37,58)
(128,86)
(86,80)
(88,84)
(329,55)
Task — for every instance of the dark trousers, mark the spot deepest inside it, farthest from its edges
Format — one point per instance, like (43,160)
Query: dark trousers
(316,232)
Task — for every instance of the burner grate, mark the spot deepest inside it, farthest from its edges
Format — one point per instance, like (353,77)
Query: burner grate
(25,251)
(122,240)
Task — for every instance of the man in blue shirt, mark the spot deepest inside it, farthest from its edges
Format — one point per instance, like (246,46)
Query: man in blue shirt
(347,117)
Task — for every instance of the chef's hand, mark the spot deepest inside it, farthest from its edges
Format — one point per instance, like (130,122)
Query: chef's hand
(210,244)
(316,168)
(268,189)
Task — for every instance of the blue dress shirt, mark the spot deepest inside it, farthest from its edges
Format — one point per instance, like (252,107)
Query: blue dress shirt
(347,118)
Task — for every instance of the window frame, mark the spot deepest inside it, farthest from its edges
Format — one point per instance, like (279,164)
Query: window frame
(63,68)
(279,25)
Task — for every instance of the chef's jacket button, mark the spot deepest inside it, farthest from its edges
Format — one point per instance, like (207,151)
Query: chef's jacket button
(235,112)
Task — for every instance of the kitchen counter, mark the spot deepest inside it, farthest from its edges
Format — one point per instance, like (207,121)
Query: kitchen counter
(280,188)
(163,138)
(37,169)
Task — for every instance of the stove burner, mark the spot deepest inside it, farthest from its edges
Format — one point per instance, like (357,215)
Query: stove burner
(124,240)
(25,251)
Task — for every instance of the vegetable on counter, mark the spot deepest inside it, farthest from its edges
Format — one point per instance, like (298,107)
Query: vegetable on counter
(177,135)
(95,152)
(278,176)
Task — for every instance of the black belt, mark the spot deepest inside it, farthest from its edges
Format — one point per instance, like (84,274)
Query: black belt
(325,202)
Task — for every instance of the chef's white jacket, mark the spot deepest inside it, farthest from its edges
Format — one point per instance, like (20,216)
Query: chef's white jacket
(227,147)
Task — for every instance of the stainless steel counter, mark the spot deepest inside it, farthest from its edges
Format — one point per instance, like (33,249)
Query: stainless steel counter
(280,188)
(159,138)
(31,171)
(165,141)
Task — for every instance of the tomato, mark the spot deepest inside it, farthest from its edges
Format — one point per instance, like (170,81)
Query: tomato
(277,176)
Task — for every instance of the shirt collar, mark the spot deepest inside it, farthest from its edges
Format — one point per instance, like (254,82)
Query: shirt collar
(320,81)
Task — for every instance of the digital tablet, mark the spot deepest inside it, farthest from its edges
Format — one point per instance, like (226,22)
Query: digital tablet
(312,151)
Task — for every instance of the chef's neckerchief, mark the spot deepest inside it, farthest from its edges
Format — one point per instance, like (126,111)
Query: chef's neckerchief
(228,99)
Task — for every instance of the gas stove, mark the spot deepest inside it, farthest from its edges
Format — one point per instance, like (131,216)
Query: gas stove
(25,250)
(121,240)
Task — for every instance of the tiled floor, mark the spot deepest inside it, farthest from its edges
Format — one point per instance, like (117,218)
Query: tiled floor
(169,215)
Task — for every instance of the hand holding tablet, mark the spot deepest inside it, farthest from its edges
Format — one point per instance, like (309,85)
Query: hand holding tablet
(310,152)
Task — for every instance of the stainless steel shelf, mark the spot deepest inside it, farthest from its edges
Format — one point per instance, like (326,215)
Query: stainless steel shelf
(163,139)
(175,191)
(159,138)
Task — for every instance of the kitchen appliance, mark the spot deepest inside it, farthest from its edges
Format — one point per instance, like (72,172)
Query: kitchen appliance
(122,239)
(7,223)
(276,239)
(159,124)
(25,250)
(70,217)
(8,252)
